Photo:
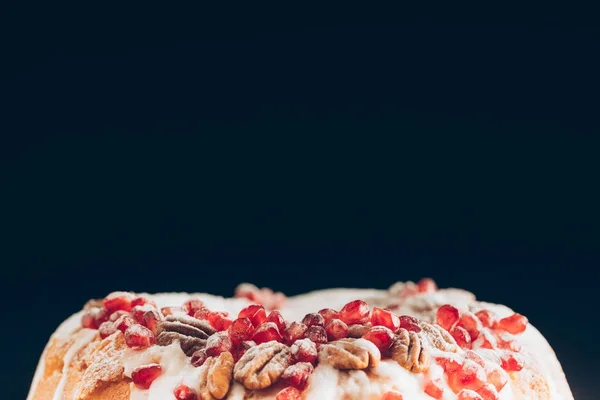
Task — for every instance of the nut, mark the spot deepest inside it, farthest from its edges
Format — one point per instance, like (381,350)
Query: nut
(262,365)
(357,330)
(191,332)
(215,376)
(350,354)
(410,351)
(439,338)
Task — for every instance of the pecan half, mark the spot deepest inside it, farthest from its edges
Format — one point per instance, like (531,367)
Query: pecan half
(410,351)
(357,330)
(350,354)
(215,377)
(439,338)
(191,332)
(262,365)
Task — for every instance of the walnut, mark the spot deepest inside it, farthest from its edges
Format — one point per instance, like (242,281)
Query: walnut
(439,338)
(350,354)
(262,365)
(410,351)
(191,332)
(215,376)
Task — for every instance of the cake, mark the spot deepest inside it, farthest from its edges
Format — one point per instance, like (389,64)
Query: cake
(412,341)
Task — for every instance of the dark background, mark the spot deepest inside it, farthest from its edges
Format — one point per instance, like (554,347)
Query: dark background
(190,150)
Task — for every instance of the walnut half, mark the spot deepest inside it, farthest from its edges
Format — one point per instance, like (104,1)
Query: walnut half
(410,351)
(262,365)
(215,377)
(350,354)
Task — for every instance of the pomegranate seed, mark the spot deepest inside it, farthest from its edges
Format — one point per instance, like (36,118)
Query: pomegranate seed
(392,396)
(166,311)
(147,316)
(289,393)
(329,314)
(449,363)
(386,318)
(124,322)
(355,312)
(468,395)
(462,337)
(192,305)
(446,316)
(514,324)
(488,392)
(277,319)
(183,392)
(426,285)
(139,337)
(485,340)
(201,313)
(118,301)
(219,320)
(241,329)
(487,317)
(511,361)
(471,323)
(304,350)
(470,376)
(409,323)
(507,343)
(295,331)
(106,329)
(471,355)
(142,301)
(88,319)
(434,389)
(313,319)
(496,376)
(317,334)
(116,315)
(241,348)
(267,332)
(296,375)
(248,291)
(218,343)
(336,329)
(199,357)
(255,313)
(143,376)
(381,337)
(404,290)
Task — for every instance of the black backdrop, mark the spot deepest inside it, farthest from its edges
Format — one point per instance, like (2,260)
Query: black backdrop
(170,150)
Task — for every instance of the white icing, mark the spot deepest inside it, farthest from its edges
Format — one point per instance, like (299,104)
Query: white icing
(82,339)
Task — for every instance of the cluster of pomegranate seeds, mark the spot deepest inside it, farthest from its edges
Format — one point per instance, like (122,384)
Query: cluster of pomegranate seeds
(183,392)
(469,322)
(295,331)
(192,306)
(118,301)
(329,314)
(289,393)
(241,329)
(142,301)
(296,375)
(355,312)
(267,332)
(382,317)
(143,376)
(381,337)
(276,318)
(218,343)
(255,313)
(336,329)
(470,376)
(265,296)
(139,337)
(304,350)
(392,396)
(93,318)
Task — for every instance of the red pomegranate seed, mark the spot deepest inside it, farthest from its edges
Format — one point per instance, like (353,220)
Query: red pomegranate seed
(124,322)
(317,334)
(289,393)
(219,320)
(255,313)
(147,316)
(296,375)
(88,319)
(468,395)
(470,376)
(277,319)
(426,285)
(267,332)
(447,316)
(295,331)
(381,337)
(143,376)
(106,329)
(166,311)
(139,337)
(496,376)
(183,392)
(248,291)
(434,389)
(201,313)
(511,361)
(507,343)
(409,323)
(449,363)
(393,395)
(193,305)
(116,315)
(336,329)
(218,343)
(241,348)
(313,319)
(329,314)
(241,329)
(514,324)
(118,301)
(462,337)
(471,323)
(142,301)
(355,312)
(488,392)
(487,317)
(386,318)
(304,350)
(199,357)
(485,340)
